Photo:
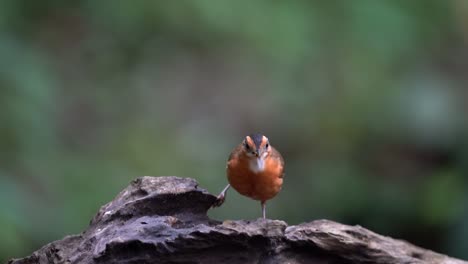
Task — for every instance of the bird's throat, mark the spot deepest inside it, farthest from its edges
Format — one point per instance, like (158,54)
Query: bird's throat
(257,165)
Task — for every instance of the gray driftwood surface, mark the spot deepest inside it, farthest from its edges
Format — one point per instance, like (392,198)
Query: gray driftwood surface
(164,220)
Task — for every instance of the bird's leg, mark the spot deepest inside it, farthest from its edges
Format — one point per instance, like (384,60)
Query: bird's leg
(221,197)
(264,209)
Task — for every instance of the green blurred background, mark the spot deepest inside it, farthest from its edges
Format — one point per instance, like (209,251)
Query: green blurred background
(365,99)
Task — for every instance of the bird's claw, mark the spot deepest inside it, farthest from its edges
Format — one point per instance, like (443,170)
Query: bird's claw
(219,200)
(221,197)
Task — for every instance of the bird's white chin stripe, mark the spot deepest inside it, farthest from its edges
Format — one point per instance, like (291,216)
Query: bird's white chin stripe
(261,164)
(257,165)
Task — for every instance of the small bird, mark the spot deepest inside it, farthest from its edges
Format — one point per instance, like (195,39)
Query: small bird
(254,169)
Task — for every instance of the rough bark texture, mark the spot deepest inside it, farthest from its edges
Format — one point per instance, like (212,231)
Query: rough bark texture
(163,220)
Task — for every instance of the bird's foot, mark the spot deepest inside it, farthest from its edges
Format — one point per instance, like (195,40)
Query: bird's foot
(221,197)
(219,200)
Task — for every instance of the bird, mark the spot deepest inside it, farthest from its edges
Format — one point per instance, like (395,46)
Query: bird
(254,169)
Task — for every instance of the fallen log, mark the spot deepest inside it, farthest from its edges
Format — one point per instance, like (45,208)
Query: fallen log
(164,220)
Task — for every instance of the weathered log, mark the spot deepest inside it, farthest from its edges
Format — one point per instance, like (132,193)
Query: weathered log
(163,220)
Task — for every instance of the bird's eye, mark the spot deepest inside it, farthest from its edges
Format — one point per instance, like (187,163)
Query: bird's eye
(267,145)
(246,146)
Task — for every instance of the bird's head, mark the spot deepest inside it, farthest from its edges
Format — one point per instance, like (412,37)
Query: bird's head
(256,146)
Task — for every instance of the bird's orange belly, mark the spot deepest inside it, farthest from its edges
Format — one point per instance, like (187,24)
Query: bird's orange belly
(260,186)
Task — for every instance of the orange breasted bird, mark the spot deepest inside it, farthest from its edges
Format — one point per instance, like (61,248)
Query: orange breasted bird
(254,169)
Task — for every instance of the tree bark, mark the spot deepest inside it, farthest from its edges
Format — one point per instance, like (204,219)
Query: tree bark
(163,220)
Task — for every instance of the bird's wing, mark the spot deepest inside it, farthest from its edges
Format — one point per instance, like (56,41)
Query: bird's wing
(276,155)
(235,152)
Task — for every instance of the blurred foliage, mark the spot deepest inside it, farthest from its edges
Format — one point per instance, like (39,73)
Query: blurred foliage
(365,99)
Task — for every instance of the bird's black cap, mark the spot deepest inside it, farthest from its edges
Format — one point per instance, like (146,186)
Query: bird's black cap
(257,139)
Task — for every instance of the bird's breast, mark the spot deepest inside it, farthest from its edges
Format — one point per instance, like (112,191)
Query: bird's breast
(260,179)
